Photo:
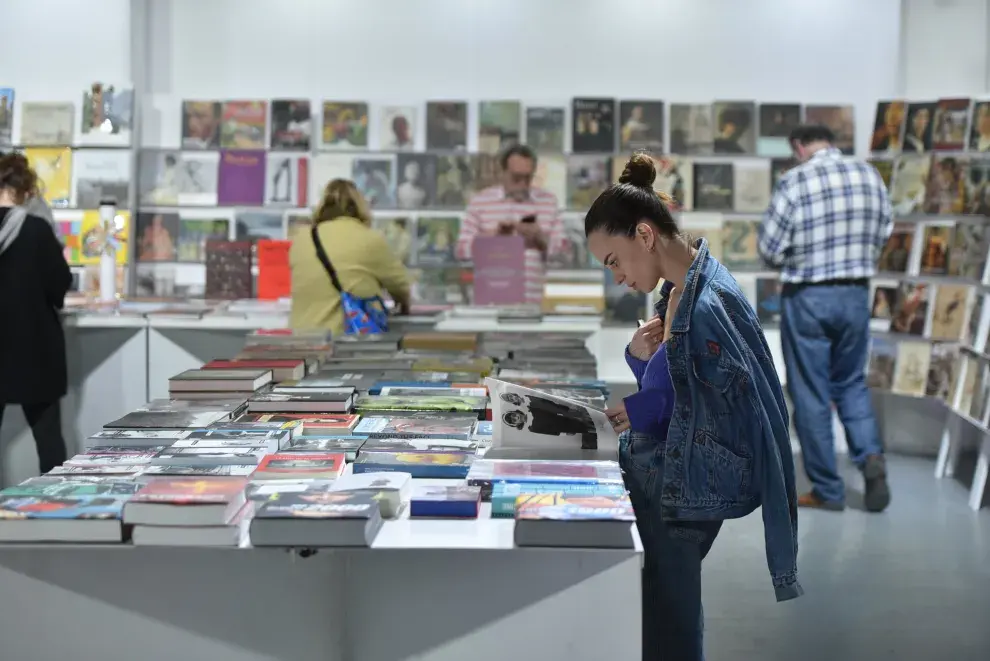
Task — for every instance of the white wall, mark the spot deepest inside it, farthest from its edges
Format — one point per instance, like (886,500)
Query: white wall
(945,49)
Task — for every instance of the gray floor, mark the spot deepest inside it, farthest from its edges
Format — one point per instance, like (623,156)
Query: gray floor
(911,583)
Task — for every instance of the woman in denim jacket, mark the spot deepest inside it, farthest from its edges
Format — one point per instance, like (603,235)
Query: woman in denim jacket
(705,438)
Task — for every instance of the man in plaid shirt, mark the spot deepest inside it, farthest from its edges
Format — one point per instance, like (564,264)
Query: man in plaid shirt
(826,225)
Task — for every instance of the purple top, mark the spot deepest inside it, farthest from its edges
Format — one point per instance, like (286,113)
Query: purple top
(651,408)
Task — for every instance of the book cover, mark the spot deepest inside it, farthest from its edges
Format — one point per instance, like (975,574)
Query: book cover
(225,471)
(292,125)
(119,470)
(735,127)
(487,171)
(421,465)
(374,180)
(980,391)
(751,186)
(446,125)
(436,239)
(911,370)
(557,507)
(100,174)
(345,125)
(777,120)
(61,507)
(882,308)
(945,192)
(949,312)
(768,300)
(572,255)
(371,403)
(242,178)
(691,129)
(228,270)
(911,309)
(977,193)
(94,234)
(325,168)
(286,180)
(406,426)
(398,234)
(888,127)
(54,169)
(201,124)
(979,134)
(641,126)
(896,254)
(6,116)
(840,119)
(345,445)
(295,465)
(326,420)
(935,249)
(416,179)
(455,181)
(256,225)
(885,168)
(72,486)
(739,245)
(942,371)
(973,369)
(274,271)
(968,251)
(487,472)
(46,124)
(312,505)
(500,270)
(440,286)
(909,184)
(196,491)
(972,337)
(918,127)
(439,501)
(506,495)
(157,236)
(581,396)
(778,167)
(107,115)
(545,129)
(499,125)
(883,358)
(398,128)
(950,124)
(194,233)
(114,459)
(551,176)
(713,186)
(448,445)
(587,178)
(210,456)
(592,126)
(158,177)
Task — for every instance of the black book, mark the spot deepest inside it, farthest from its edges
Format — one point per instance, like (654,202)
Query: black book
(593,126)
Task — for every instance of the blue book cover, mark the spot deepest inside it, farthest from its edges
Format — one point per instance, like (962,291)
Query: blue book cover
(436,501)
(66,507)
(418,464)
(504,495)
(557,507)
(483,431)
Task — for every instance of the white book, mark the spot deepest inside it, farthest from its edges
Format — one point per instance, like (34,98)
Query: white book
(394,489)
(230,534)
(110,459)
(199,456)
(198,471)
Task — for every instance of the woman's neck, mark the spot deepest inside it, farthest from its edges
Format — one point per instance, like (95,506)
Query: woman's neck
(676,258)
(7,199)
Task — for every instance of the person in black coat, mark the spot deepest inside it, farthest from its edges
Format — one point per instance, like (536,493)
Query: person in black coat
(34,278)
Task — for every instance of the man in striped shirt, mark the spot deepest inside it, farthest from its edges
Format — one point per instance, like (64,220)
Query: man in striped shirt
(515,207)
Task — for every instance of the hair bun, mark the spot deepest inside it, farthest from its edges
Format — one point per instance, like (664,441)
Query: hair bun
(639,171)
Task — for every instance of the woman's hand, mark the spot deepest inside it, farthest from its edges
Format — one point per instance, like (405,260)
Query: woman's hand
(618,417)
(647,339)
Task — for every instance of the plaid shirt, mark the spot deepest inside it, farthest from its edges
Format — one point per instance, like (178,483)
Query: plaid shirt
(828,220)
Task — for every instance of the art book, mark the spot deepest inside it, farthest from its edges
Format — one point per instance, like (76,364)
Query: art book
(287,180)
(691,129)
(374,180)
(885,168)
(446,125)
(979,134)
(545,129)
(713,186)
(751,186)
(897,252)
(455,181)
(369,404)
(735,127)
(935,249)
(499,125)
(968,251)
(101,174)
(911,371)
(194,233)
(157,236)
(46,124)
(950,124)
(840,119)
(532,419)
(949,312)
(201,124)
(416,179)
(909,183)
(292,125)
(888,127)
(587,178)
(641,126)
(398,128)
(883,358)
(911,309)
(777,120)
(406,426)
(54,169)
(942,371)
(947,183)
(739,245)
(500,270)
(593,126)
(255,225)
(6,116)
(399,233)
(883,306)
(345,125)
(228,270)
(107,115)
(242,178)
(436,239)
(918,127)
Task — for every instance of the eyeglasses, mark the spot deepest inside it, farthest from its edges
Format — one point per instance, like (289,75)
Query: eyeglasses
(521,177)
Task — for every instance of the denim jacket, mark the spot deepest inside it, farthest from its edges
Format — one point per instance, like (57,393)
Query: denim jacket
(728,447)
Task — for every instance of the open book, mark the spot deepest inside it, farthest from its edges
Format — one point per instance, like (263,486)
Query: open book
(527,418)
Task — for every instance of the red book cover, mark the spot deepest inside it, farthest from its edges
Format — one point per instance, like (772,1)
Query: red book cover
(300,465)
(274,274)
(190,491)
(252,364)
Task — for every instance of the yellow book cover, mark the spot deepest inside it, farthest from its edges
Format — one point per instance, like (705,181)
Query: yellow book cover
(54,169)
(92,237)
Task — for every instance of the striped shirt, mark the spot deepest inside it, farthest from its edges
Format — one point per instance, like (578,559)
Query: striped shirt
(490,207)
(828,220)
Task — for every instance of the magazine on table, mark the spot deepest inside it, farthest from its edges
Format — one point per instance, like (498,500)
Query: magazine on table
(523,417)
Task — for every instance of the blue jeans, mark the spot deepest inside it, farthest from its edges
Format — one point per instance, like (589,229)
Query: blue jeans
(825,332)
(673,621)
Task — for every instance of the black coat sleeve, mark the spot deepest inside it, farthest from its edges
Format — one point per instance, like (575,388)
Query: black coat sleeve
(55,273)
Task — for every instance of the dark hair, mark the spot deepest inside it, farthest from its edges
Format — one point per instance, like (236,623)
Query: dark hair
(16,174)
(631,201)
(805,134)
(516,149)
(738,117)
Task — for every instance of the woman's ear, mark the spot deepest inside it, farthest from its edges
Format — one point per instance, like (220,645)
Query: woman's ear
(647,236)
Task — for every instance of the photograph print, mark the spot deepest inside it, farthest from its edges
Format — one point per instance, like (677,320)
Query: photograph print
(455,180)
(918,128)
(398,128)
(979,134)
(416,178)
(951,124)
(373,178)
(641,126)
(292,125)
(593,126)
(446,125)
(735,127)
(345,125)
(777,120)
(888,127)
(842,122)
(201,124)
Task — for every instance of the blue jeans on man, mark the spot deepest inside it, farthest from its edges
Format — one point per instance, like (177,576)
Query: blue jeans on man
(825,332)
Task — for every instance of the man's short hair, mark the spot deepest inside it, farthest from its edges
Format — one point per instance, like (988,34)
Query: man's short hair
(805,134)
(516,149)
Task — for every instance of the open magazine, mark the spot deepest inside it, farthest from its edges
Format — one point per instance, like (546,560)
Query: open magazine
(527,418)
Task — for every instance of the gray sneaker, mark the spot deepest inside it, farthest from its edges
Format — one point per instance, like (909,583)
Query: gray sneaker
(877,490)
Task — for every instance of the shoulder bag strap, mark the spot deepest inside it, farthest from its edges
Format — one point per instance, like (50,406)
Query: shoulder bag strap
(322,255)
